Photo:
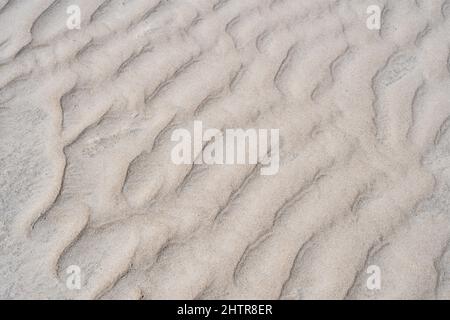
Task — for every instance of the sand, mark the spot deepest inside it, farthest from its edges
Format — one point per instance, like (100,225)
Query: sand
(92,207)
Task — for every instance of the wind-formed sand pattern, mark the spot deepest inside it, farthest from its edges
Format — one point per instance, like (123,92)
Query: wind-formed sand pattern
(86,177)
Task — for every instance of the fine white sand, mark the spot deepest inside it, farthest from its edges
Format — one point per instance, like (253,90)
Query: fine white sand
(86,177)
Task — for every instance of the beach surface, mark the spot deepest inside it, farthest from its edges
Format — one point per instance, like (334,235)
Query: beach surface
(92,205)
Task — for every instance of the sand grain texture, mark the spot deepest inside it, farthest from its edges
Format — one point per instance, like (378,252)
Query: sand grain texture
(86,177)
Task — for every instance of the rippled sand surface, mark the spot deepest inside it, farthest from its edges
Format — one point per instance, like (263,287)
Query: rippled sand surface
(86,177)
